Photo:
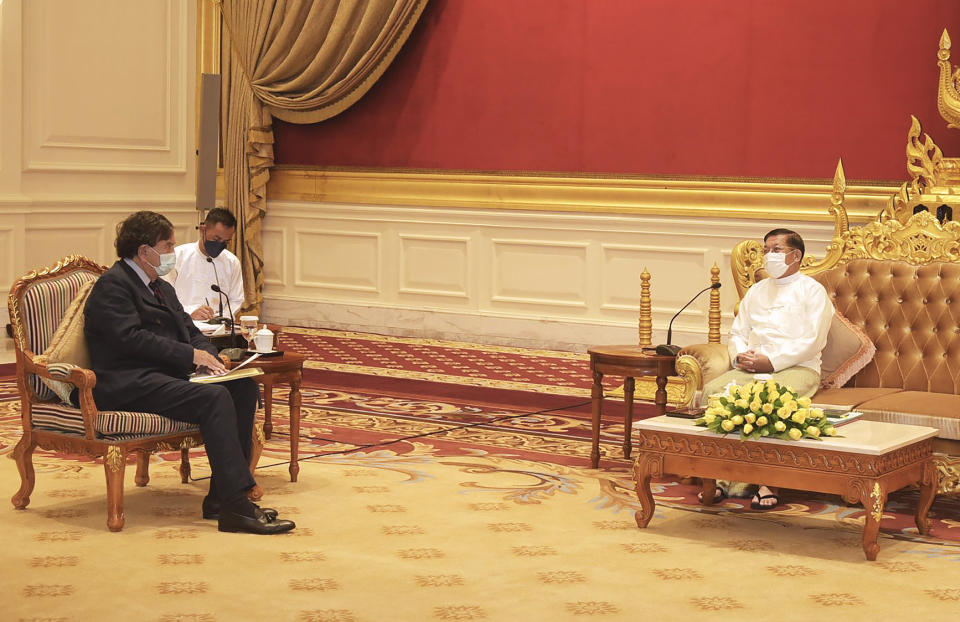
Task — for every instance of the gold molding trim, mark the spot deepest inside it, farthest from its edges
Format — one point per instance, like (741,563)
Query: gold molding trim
(604,194)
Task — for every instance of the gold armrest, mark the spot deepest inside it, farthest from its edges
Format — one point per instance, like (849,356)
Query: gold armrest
(704,362)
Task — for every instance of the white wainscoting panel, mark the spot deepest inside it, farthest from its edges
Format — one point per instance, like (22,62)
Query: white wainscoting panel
(672,269)
(45,244)
(96,99)
(541,273)
(539,279)
(106,89)
(274,257)
(348,261)
(8,263)
(434,265)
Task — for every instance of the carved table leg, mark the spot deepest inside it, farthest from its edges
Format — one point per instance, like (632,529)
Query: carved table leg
(114,464)
(142,477)
(708,491)
(928,490)
(184,465)
(645,466)
(267,407)
(873,499)
(628,386)
(660,397)
(23,455)
(295,400)
(596,396)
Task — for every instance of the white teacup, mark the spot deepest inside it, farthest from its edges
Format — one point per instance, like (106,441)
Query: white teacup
(263,340)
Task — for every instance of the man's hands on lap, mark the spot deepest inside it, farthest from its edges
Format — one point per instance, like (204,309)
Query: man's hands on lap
(753,362)
(208,362)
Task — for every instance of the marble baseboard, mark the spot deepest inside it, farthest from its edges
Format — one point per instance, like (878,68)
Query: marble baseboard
(540,333)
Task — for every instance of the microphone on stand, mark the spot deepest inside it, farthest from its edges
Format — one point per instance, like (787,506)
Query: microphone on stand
(219,319)
(671,350)
(233,352)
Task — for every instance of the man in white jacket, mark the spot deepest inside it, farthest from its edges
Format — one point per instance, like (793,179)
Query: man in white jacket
(207,262)
(780,330)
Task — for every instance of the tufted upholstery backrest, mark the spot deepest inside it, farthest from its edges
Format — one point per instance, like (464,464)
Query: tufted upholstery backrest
(912,315)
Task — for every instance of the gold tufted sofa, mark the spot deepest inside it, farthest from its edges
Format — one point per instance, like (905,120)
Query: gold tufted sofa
(899,282)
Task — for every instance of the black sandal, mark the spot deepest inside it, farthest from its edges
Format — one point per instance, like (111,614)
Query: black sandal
(757,498)
(718,495)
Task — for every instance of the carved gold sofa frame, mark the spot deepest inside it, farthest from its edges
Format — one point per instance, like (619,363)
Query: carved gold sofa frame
(899,281)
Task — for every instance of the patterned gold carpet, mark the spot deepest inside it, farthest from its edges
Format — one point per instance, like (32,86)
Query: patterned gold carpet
(424,536)
(484,512)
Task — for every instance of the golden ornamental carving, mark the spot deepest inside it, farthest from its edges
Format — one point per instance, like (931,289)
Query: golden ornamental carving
(688,369)
(188,442)
(645,388)
(915,238)
(114,458)
(800,456)
(924,160)
(948,95)
(948,473)
(746,259)
(918,240)
(645,321)
(713,312)
(876,502)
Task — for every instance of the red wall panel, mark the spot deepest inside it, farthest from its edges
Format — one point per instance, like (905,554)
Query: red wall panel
(740,88)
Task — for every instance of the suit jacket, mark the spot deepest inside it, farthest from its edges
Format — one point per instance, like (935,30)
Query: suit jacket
(136,344)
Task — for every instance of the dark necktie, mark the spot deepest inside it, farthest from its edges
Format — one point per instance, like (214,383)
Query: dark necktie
(155,286)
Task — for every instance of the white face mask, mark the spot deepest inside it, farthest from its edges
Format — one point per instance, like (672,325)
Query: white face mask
(776,264)
(168,261)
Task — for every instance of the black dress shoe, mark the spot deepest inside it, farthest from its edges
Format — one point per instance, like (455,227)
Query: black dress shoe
(233,522)
(211,510)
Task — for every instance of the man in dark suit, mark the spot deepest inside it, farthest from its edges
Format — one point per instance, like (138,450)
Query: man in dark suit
(143,347)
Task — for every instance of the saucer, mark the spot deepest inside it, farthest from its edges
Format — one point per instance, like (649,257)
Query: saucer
(265,352)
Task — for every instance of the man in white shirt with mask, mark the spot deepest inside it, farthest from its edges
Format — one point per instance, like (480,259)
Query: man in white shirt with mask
(780,331)
(207,262)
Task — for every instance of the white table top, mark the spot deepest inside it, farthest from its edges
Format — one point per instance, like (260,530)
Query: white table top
(863,437)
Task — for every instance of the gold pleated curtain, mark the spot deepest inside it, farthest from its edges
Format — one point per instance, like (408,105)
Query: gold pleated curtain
(301,61)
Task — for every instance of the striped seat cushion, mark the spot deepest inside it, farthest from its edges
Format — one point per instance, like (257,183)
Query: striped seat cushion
(110,424)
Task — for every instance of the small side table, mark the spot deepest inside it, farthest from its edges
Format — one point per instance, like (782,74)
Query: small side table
(629,362)
(287,368)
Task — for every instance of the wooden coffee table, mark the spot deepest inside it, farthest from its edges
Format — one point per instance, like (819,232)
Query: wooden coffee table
(871,460)
(629,362)
(286,368)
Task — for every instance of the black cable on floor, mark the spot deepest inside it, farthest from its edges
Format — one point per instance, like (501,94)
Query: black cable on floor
(409,438)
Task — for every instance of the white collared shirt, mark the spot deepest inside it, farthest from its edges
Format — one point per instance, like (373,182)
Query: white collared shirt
(143,275)
(194,275)
(785,319)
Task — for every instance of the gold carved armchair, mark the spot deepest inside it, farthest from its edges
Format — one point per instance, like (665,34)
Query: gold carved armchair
(46,312)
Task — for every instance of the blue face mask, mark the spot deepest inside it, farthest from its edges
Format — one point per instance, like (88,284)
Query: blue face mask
(213,248)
